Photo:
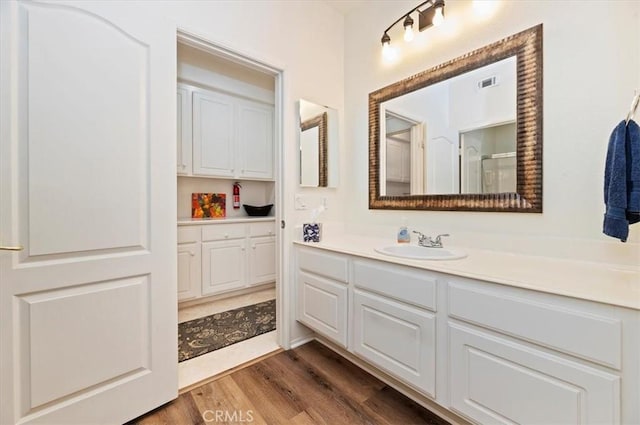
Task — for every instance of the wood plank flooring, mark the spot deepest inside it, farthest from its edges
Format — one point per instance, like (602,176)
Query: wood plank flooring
(310,385)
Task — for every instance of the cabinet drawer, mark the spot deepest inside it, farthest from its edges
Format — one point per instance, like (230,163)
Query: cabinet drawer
(323,263)
(417,287)
(218,232)
(263,228)
(322,305)
(397,338)
(493,380)
(188,234)
(571,331)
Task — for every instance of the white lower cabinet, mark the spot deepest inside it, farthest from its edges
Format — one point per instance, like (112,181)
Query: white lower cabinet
(322,305)
(217,258)
(188,271)
(490,353)
(397,338)
(223,266)
(262,260)
(495,380)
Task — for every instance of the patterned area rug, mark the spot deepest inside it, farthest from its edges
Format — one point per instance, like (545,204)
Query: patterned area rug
(206,334)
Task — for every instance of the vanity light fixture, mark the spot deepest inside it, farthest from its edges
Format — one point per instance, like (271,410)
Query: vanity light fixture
(432,15)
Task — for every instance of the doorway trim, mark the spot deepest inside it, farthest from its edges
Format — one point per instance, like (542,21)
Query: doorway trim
(228,53)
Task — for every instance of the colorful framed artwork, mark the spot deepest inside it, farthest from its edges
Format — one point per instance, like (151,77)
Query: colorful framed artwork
(208,205)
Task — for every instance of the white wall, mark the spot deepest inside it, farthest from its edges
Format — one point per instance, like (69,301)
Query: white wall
(591,68)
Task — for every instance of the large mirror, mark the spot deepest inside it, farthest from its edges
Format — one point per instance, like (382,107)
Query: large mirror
(465,135)
(318,138)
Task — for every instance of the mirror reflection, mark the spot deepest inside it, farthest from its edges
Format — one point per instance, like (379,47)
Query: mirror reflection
(457,122)
(318,139)
(457,136)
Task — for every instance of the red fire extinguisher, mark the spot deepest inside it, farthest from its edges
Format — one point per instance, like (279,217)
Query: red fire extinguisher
(236,195)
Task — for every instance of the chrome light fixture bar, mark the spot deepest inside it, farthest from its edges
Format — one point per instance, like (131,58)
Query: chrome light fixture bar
(431,15)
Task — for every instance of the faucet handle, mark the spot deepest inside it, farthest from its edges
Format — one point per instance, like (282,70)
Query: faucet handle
(438,239)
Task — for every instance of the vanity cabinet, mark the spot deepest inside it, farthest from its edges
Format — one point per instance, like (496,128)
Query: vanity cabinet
(217,258)
(231,136)
(517,357)
(498,380)
(397,338)
(487,352)
(322,293)
(394,325)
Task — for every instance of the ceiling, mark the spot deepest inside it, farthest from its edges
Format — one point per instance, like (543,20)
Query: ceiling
(346,6)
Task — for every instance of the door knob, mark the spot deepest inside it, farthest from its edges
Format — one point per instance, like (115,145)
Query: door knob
(11,248)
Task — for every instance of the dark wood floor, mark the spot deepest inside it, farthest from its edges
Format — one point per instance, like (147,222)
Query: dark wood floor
(308,385)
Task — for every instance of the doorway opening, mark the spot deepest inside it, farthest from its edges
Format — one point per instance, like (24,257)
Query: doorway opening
(229,262)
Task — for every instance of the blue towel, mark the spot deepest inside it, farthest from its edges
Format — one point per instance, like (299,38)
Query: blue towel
(622,180)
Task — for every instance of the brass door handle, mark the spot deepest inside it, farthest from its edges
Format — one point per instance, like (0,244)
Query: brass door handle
(11,248)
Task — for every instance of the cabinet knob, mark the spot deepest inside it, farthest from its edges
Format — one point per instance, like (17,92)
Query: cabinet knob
(254,247)
(193,254)
(226,235)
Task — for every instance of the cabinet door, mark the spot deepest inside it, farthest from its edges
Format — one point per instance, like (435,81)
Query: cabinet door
(398,161)
(396,337)
(214,134)
(183,136)
(223,266)
(262,260)
(499,381)
(255,140)
(394,160)
(189,271)
(322,305)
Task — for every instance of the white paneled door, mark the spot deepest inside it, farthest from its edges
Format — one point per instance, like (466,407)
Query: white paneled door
(87,188)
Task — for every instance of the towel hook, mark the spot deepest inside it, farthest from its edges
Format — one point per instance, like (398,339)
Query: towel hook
(634,106)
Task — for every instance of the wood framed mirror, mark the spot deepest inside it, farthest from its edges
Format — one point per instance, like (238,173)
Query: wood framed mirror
(478,148)
(313,151)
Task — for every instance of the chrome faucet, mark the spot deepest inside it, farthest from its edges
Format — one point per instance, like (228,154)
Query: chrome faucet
(427,242)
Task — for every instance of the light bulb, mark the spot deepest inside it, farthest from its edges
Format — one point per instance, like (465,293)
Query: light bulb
(408,28)
(408,33)
(387,51)
(438,17)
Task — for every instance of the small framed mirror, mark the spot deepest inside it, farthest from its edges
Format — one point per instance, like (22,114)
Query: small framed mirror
(465,135)
(318,143)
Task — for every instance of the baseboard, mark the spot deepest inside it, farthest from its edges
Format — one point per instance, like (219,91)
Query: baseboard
(301,341)
(414,395)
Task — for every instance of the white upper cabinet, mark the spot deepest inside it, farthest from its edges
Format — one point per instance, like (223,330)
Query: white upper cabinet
(214,134)
(224,135)
(183,136)
(255,140)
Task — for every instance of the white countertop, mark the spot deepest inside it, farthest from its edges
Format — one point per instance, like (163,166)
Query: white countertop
(606,283)
(244,219)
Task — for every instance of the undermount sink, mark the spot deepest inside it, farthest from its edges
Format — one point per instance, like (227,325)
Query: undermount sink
(415,252)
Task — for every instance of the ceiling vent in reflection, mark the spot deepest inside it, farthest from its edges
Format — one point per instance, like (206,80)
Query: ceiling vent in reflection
(488,82)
